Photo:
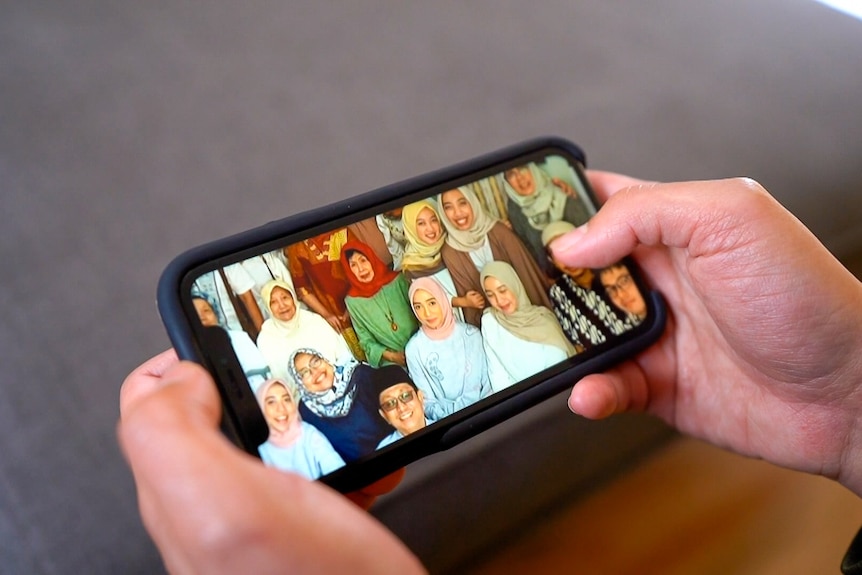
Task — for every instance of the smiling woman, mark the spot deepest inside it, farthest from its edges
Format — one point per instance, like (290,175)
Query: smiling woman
(293,445)
(340,400)
(445,357)
(292,327)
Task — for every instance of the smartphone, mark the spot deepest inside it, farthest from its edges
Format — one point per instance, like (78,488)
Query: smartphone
(351,340)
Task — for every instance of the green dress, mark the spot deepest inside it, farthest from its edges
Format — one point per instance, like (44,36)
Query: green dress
(383,321)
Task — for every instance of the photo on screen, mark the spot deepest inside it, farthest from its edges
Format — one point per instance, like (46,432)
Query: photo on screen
(359,336)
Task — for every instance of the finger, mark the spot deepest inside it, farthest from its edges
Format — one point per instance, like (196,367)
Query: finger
(146,378)
(617,390)
(366,496)
(185,396)
(698,216)
(606,184)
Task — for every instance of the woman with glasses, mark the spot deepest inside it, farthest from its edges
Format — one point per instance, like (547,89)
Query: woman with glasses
(445,357)
(341,400)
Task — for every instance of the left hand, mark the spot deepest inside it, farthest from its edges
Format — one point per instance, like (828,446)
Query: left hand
(211,508)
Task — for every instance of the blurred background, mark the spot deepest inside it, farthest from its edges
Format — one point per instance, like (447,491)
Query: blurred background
(130,132)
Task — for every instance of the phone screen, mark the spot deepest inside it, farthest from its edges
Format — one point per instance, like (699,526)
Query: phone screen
(356,336)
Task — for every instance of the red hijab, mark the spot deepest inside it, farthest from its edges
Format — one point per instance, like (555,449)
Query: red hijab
(382,274)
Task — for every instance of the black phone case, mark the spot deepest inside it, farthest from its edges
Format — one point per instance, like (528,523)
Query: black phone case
(242,420)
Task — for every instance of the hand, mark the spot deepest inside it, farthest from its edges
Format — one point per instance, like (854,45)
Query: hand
(398,357)
(762,350)
(211,508)
(334,321)
(564,186)
(474,299)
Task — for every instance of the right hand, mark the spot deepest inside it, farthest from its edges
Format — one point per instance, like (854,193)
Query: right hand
(473,299)
(762,349)
(334,321)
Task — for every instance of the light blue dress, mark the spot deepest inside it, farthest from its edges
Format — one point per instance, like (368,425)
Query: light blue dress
(452,373)
(311,456)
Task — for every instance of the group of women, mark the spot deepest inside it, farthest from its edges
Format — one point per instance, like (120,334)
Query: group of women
(462,310)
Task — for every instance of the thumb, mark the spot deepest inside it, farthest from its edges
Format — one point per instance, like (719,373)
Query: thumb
(698,216)
(184,403)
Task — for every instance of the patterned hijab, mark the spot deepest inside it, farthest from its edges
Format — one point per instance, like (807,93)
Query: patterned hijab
(335,401)
(197,294)
(418,255)
(545,205)
(529,322)
(475,237)
(433,287)
(382,274)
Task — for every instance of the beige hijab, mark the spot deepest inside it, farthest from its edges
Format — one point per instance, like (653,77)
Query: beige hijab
(475,237)
(544,206)
(529,322)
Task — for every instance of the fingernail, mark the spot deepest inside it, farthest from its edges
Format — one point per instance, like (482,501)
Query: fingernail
(568,240)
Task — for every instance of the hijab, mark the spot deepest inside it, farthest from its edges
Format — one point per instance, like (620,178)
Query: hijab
(382,274)
(292,434)
(335,401)
(197,294)
(529,322)
(419,255)
(433,287)
(476,236)
(545,205)
(280,326)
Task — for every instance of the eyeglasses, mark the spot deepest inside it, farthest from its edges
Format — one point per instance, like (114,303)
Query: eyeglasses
(404,397)
(313,364)
(623,283)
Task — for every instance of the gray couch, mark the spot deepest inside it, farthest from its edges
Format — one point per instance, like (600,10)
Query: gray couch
(131,131)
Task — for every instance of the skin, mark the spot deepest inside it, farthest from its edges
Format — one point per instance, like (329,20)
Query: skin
(628,298)
(361,268)
(521,180)
(237,520)
(761,352)
(427,309)
(338,323)
(282,304)
(278,408)
(320,378)
(457,209)
(760,355)
(247,299)
(500,296)
(405,418)
(428,226)
(205,312)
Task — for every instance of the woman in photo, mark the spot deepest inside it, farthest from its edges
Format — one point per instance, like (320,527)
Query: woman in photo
(520,338)
(534,201)
(253,363)
(315,267)
(378,305)
(425,237)
(474,239)
(445,357)
(292,445)
(341,400)
(291,327)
